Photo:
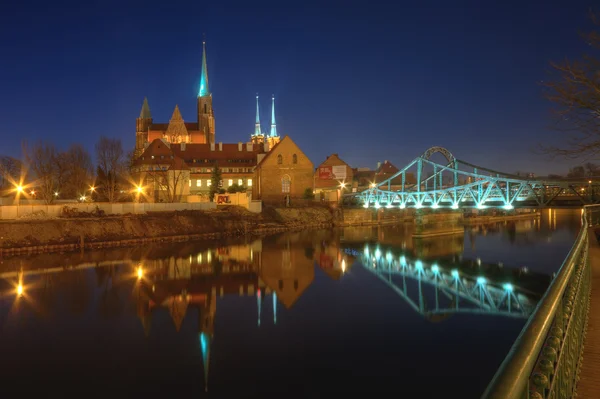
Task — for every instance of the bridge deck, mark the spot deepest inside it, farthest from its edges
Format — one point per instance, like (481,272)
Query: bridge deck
(589,384)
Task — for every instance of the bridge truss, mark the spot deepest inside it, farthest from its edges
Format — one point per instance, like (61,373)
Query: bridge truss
(465,293)
(458,184)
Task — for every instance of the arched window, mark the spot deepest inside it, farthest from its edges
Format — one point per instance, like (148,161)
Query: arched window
(205,108)
(294,158)
(279,159)
(286,183)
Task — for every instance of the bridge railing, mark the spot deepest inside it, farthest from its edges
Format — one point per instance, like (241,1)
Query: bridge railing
(544,361)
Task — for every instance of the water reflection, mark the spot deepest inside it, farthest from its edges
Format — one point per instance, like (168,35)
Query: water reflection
(275,293)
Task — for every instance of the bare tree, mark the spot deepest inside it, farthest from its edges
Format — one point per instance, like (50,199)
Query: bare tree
(576,95)
(41,159)
(111,164)
(10,171)
(168,178)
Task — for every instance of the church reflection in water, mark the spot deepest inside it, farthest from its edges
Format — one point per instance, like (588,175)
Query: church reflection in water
(189,278)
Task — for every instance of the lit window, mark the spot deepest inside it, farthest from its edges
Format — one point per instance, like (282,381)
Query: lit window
(249,182)
(279,159)
(208,183)
(152,157)
(285,184)
(230,182)
(190,182)
(240,182)
(294,158)
(198,183)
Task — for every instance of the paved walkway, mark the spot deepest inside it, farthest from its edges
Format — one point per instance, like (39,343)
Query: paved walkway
(589,384)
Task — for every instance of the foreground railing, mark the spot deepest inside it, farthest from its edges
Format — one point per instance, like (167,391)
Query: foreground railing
(545,359)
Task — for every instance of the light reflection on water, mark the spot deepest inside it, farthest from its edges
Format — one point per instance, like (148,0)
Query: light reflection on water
(288,313)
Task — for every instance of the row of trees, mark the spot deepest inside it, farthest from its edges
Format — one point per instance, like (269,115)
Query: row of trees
(51,173)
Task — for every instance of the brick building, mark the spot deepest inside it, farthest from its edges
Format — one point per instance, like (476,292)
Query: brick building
(333,178)
(284,170)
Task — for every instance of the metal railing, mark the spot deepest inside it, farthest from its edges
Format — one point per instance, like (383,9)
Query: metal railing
(545,359)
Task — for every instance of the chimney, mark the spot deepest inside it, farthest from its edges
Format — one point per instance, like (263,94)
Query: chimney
(240,145)
(266,146)
(378,165)
(249,147)
(386,161)
(182,146)
(212,146)
(220,146)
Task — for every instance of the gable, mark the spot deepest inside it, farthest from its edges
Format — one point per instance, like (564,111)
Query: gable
(286,148)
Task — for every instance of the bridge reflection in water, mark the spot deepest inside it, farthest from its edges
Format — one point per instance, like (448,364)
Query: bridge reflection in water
(187,279)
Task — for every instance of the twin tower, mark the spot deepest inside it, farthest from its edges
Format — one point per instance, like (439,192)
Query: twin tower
(201,132)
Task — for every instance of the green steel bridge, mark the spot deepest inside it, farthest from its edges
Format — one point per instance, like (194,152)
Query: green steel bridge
(455,184)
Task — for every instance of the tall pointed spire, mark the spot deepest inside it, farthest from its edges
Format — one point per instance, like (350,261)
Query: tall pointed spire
(273,125)
(204,77)
(257,124)
(145,112)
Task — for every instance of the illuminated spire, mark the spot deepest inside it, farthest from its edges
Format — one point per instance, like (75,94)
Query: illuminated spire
(204,77)
(259,301)
(205,349)
(274,308)
(273,126)
(257,124)
(145,112)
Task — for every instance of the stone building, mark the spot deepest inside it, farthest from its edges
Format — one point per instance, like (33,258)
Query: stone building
(333,178)
(284,170)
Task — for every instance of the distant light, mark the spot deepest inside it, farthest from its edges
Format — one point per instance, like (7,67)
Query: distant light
(56,193)
(454,206)
(82,198)
(403,260)
(418,206)
(366,250)
(480,206)
(342,185)
(140,189)
(372,185)
(480,280)
(140,272)
(92,189)
(343,265)
(402,205)
(366,205)
(454,273)
(377,253)
(389,205)
(32,192)
(590,182)
(435,206)
(388,256)
(19,188)
(419,265)
(508,287)
(377,206)
(508,206)
(20,289)
(435,269)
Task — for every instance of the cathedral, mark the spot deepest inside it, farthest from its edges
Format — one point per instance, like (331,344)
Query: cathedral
(200,132)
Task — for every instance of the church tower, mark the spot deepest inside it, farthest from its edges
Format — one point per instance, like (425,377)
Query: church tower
(206,117)
(142,124)
(273,138)
(257,137)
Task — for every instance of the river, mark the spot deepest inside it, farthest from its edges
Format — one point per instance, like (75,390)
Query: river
(295,313)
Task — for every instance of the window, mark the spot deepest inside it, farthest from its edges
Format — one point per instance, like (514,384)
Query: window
(198,183)
(279,159)
(190,182)
(285,184)
(230,182)
(249,183)
(205,108)
(152,157)
(208,183)
(240,182)
(162,157)
(294,158)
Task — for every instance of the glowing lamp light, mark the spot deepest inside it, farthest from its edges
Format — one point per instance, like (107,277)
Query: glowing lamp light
(419,265)
(56,193)
(435,206)
(92,189)
(82,198)
(508,206)
(343,265)
(389,205)
(139,189)
(342,185)
(454,273)
(140,272)
(20,289)
(32,192)
(377,253)
(388,256)
(418,206)
(435,269)
(258,294)
(19,188)
(454,206)
(480,280)
(377,206)
(508,287)
(402,205)
(403,260)
(366,205)
(480,206)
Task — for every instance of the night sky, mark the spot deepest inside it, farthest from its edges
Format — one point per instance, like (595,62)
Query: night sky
(371,81)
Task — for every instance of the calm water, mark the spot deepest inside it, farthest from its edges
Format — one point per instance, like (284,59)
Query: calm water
(292,314)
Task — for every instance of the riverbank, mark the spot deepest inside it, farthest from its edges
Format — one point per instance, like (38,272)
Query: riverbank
(68,234)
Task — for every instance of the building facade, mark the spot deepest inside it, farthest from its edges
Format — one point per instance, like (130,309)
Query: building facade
(284,171)
(333,178)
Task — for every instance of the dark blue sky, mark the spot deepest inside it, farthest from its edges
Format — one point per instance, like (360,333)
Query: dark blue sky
(368,80)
